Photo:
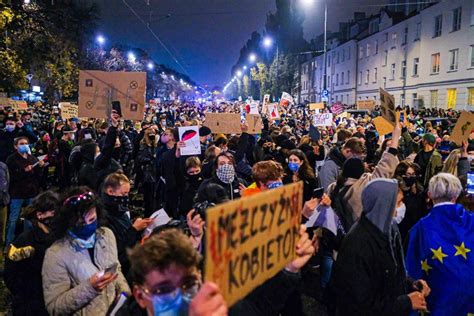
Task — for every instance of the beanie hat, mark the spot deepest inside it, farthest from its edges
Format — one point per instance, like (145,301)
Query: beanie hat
(353,168)
(429,138)
(204,131)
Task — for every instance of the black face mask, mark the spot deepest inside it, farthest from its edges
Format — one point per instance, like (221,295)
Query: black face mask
(46,221)
(115,200)
(194,177)
(409,181)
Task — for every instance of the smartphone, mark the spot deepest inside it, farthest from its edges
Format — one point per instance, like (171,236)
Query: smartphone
(318,193)
(402,117)
(117,108)
(470,183)
(112,269)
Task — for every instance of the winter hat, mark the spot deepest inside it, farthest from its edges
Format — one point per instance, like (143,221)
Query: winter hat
(353,168)
(288,144)
(204,131)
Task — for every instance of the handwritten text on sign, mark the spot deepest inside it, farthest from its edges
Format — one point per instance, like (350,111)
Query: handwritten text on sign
(250,240)
(324,119)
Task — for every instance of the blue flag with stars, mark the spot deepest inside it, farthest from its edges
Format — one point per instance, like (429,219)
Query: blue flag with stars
(441,252)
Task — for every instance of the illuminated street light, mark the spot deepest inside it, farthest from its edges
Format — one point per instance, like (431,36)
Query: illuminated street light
(150,66)
(131,57)
(307,3)
(100,40)
(267,42)
(252,58)
(239,73)
(245,67)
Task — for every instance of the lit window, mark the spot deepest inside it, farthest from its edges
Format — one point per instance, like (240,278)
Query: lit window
(435,61)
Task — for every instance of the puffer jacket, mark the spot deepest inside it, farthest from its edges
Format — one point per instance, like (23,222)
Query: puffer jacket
(353,197)
(66,272)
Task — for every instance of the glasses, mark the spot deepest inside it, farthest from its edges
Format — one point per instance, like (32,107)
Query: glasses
(76,199)
(189,289)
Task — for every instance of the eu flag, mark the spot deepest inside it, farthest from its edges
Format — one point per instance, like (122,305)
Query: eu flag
(441,251)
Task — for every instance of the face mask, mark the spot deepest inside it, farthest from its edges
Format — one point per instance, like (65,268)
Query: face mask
(226,173)
(194,177)
(293,166)
(163,123)
(116,200)
(209,139)
(46,138)
(151,137)
(401,210)
(274,185)
(73,136)
(173,304)
(470,158)
(10,128)
(23,149)
(165,139)
(46,221)
(409,181)
(84,232)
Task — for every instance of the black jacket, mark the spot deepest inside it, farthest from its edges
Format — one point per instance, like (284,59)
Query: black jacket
(366,280)
(23,277)
(104,164)
(232,189)
(23,185)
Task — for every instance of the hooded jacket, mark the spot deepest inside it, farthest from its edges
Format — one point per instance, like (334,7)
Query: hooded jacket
(332,168)
(369,275)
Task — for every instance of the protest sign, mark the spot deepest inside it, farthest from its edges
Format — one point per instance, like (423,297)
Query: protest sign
(382,126)
(266,99)
(190,136)
(463,128)
(337,108)
(255,124)
(286,99)
(272,110)
(68,110)
(323,119)
(253,107)
(97,90)
(225,123)
(388,106)
(251,239)
(366,105)
(316,106)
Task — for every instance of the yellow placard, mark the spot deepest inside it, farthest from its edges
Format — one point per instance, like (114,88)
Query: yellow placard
(366,105)
(316,106)
(254,122)
(68,110)
(251,239)
(223,123)
(97,89)
(382,126)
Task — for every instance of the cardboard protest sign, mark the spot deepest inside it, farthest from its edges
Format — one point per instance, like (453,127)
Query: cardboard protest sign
(388,107)
(382,126)
(272,110)
(97,90)
(366,105)
(286,99)
(255,124)
(322,119)
(225,123)
(251,239)
(253,107)
(463,128)
(316,106)
(190,136)
(68,110)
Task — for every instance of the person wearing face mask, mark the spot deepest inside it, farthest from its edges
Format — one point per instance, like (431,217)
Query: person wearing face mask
(300,170)
(414,198)
(205,137)
(193,180)
(369,276)
(429,159)
(267,175)
(115,197)
(25,257)
(81,272)
(25,172)
(65,145)
(146,176)
(13,129)
(225,176)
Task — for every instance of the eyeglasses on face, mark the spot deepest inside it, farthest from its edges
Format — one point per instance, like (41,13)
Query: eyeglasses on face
(189,288)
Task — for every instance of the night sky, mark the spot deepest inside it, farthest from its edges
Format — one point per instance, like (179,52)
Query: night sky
(205,36)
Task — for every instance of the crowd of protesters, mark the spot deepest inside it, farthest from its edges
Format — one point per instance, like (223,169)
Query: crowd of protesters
(76,197)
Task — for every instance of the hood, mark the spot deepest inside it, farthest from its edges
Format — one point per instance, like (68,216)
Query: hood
(336,156)
(379,199)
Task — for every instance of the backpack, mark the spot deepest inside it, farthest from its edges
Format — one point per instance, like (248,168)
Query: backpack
(4,184)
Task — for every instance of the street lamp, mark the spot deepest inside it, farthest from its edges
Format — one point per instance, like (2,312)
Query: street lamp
(150,66)
(131,57)
(252,58)
(307,3)
(245,67)
(267,42)
(100,40)
(239,73)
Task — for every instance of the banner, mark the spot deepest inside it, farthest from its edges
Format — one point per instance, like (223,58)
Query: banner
(250,240)
(273,112)
(225,123)
(286,99)
(323,119)
(255,124)
(190,136)
(68,110)
(337,108)
(388,107)
(97,90)
(316,106)
(366,105)
(463,128)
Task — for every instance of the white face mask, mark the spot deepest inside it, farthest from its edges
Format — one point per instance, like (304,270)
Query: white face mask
(400,213)
(470,158)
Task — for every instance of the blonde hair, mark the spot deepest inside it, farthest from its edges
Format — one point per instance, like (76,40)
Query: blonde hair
(451,163)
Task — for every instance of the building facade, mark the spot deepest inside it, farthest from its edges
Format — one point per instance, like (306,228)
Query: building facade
(425,60)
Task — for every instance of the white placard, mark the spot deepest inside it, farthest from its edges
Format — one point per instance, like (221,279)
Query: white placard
(253,107)
(323,119)
(190,136)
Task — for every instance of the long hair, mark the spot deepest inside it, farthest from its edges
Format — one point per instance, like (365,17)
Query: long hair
(305,171)
(69,214)
(401,170)
(451,163)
